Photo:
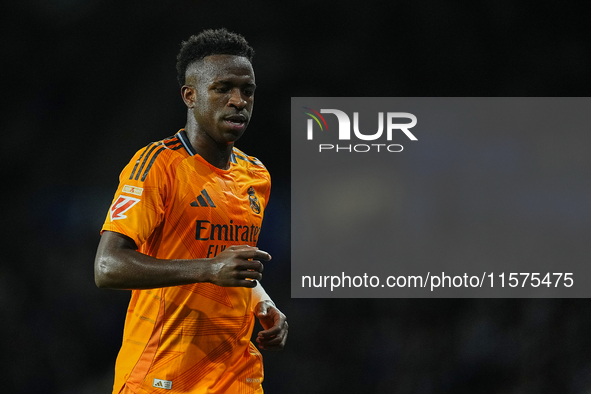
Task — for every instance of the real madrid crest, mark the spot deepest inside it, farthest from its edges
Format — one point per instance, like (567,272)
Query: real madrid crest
(254,201)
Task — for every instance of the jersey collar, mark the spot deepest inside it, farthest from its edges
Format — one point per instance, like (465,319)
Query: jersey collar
(185,141)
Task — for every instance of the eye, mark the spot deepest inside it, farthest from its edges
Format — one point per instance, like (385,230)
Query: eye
(222,89)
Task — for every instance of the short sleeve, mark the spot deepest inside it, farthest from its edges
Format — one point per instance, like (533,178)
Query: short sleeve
(139,203)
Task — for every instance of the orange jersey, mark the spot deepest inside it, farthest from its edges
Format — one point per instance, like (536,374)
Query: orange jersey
(174,205)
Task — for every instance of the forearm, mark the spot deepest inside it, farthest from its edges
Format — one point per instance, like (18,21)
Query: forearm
(119,266)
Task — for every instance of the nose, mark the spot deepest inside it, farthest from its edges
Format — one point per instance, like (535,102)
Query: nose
(236,99)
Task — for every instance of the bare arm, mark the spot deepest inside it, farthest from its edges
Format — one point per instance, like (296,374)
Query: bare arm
(118,265)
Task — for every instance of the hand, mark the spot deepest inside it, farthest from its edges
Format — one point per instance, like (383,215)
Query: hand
(237,266)
(274,322)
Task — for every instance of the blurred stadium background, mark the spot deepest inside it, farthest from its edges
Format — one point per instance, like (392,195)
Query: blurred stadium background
(86,83)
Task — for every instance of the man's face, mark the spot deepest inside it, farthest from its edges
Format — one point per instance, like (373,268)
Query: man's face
(224,96)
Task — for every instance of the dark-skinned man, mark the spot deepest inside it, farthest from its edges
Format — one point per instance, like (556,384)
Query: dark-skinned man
(181,234)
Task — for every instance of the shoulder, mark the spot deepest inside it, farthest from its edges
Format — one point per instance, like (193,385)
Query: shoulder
(250,163)
(163,155)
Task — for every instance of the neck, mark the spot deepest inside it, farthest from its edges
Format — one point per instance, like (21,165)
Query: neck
(216,154)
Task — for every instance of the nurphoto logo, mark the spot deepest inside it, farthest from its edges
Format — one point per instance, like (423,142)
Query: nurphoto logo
(391,119)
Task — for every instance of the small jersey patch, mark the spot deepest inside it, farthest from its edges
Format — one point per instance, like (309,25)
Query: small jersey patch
(122,205)
(162,384)
(133,190)
(254,201)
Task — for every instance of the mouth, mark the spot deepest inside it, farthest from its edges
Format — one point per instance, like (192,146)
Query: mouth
(237,122)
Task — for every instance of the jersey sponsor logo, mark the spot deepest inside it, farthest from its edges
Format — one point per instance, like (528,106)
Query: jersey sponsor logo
(202,200)
(254,380)
(133,190)
(207,231)
(254,201)
(162,384)
(122,205)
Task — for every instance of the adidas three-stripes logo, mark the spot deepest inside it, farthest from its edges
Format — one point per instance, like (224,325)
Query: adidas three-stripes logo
(203,200)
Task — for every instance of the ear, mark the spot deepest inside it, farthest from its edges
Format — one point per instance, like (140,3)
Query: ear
(188,95)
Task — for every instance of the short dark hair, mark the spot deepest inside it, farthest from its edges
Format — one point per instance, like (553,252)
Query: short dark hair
(210,42)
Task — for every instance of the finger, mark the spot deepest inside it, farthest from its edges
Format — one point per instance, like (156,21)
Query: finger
(272,345)
(279,325)
(254,253)
(281,336)
(253,275)
(254,265)
(241,247)
(271,332)
(277,341)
